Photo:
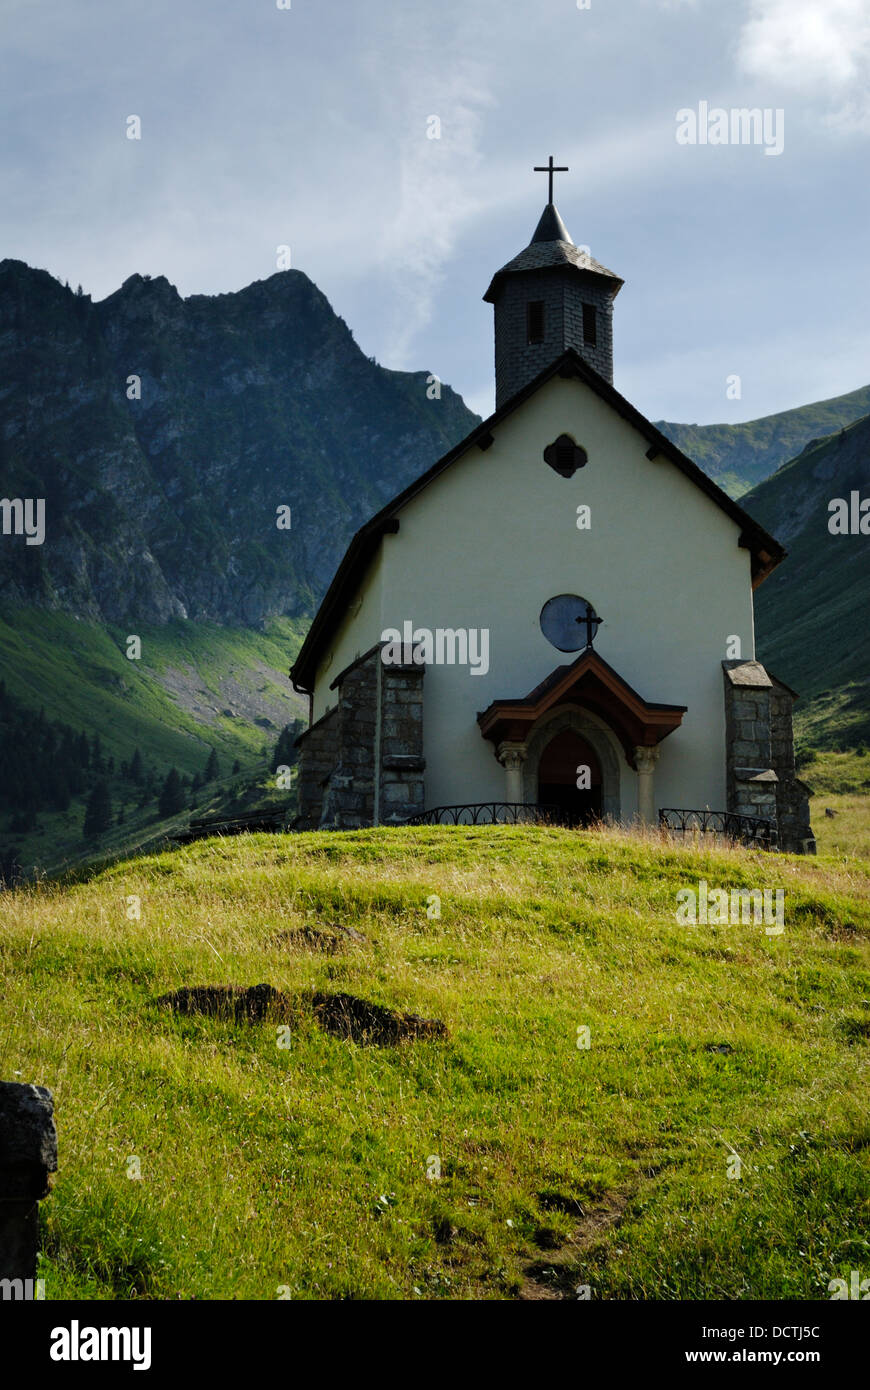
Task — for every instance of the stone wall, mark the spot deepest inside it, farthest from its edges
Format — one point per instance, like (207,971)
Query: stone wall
(318,755)
(402,763)
(760,760)
(349,799)
(377,724)
(750,777)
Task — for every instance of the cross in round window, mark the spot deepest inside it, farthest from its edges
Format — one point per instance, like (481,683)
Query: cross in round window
(569,622)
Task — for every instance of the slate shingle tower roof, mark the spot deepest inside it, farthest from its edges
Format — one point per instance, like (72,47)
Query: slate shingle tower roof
(551,245)
(551,297)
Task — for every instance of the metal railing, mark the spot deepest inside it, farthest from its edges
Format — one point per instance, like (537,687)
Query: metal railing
(752,831)
(488,813)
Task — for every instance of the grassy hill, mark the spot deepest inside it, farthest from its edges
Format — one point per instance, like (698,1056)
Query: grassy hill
(840,804)
(740,456)
(500,1161)
(810,614)
(196,687)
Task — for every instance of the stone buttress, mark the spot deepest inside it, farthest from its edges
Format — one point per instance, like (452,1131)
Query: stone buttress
(362,762)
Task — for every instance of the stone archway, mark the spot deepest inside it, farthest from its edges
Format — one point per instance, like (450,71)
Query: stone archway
(592,698)
(590,729)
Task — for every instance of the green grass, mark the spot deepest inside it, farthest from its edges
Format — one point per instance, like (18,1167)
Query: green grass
(847,832)
(839,782)
(834,719)
(58,848)
(305,1169)
(79,673)
(844,772)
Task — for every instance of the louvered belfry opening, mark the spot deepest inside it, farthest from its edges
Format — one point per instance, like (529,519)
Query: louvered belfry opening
(535,321)
(564,456)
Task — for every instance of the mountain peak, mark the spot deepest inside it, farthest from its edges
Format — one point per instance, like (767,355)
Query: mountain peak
(153,285)
(169,431)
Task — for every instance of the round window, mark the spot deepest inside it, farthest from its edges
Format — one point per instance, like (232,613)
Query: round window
(569,622)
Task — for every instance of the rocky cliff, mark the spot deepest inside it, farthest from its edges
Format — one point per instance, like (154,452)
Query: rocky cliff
(164,434)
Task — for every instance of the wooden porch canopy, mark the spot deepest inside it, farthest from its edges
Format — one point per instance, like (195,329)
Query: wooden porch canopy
(592,683)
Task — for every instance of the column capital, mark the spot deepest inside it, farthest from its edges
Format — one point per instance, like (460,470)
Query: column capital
(645,757)
(511,755)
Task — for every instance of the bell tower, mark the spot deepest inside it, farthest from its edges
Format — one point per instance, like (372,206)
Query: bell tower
(550,297)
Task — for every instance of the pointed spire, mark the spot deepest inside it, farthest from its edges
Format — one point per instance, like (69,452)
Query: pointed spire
(551,227)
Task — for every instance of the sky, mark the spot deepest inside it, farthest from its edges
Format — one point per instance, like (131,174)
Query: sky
(310,126)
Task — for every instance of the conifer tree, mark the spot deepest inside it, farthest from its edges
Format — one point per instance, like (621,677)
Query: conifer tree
(98,812)
(172,799)
(286,753)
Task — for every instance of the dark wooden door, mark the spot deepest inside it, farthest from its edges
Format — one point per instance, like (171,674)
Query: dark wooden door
(558,776)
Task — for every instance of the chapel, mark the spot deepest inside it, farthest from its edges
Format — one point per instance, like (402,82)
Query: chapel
(556,619)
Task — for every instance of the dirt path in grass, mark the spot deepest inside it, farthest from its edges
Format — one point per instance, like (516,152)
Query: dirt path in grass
(555,1275)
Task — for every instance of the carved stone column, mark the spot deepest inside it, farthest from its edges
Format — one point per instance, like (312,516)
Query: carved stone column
(645,759)
(512,756)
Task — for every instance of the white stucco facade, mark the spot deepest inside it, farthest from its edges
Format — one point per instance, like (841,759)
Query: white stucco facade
(494,536)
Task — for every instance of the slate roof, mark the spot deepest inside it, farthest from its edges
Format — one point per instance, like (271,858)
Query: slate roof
(551,227)
(551,248)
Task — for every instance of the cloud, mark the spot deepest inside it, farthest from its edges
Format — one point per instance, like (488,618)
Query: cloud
(439,153)
(821,50)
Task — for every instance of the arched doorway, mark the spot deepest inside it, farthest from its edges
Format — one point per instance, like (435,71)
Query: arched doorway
(558,775)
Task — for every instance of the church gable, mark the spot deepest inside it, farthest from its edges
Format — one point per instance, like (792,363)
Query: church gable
(565,460)
(765,552)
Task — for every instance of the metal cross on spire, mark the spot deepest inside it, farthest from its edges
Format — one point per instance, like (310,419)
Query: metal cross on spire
(550,169)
